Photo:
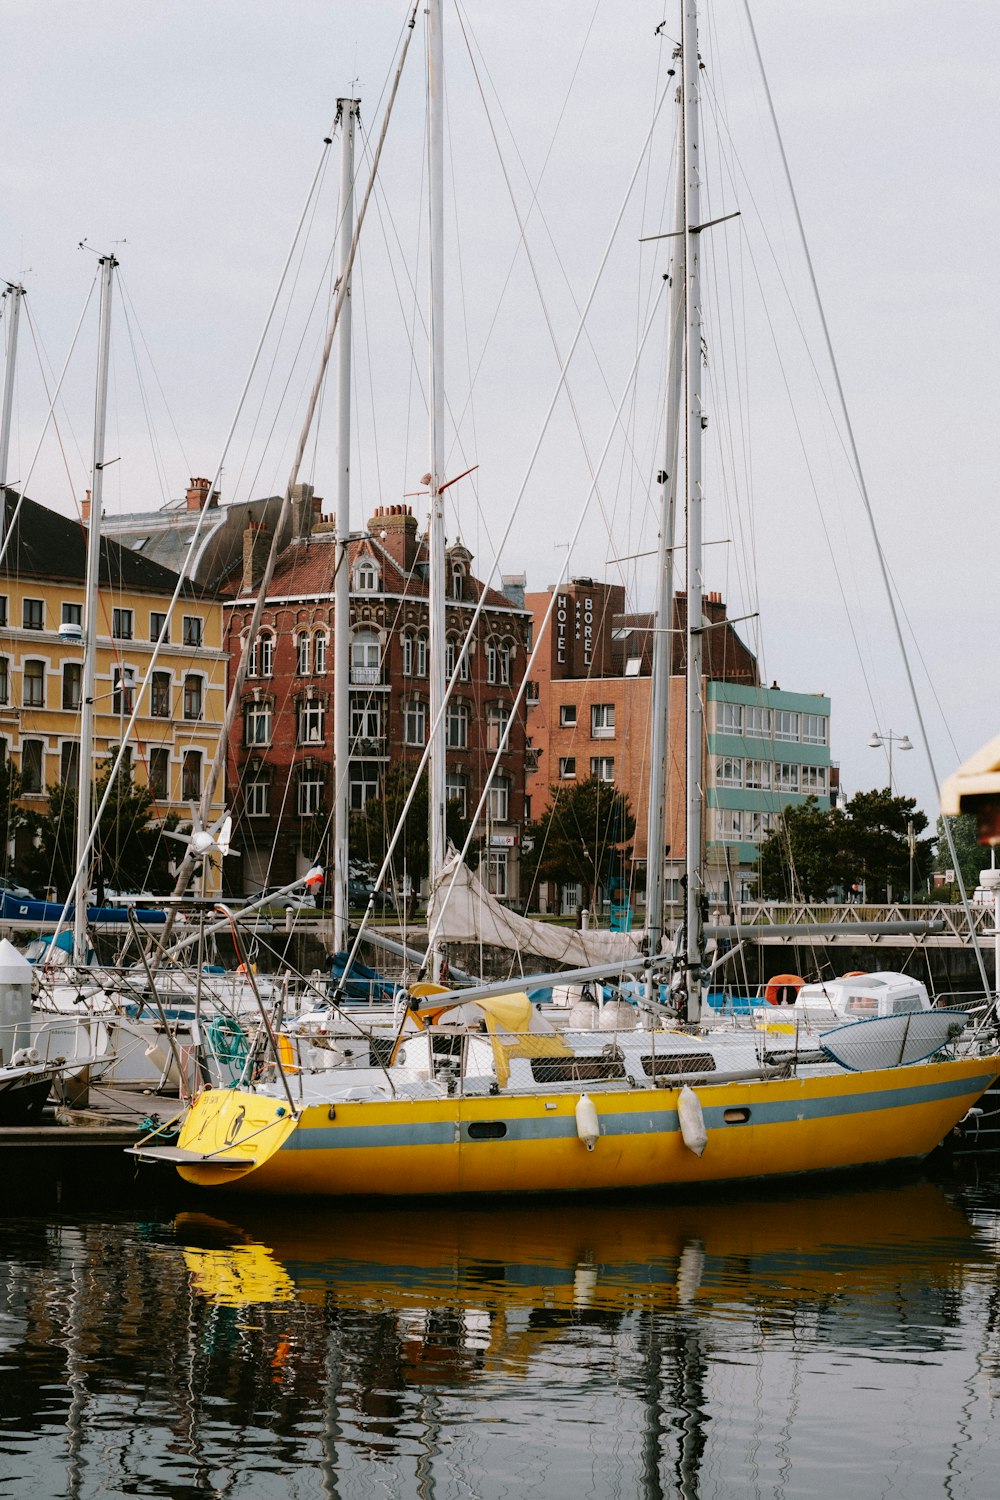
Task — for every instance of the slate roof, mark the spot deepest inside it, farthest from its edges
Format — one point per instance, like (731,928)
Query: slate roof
(53,548)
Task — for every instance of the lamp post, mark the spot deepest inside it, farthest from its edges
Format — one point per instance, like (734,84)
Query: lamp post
(877,742)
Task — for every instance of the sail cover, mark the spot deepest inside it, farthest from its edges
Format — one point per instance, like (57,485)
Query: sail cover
(467,913)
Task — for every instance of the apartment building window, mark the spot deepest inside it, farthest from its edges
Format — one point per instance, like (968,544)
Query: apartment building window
(415,655)
(33,614)
(813,779)
(814,729)
(72,614)
(567,767)
(602,721)
(122,690)
(414,721)
(456,726)
(310,791)
(728,772)
(497,719)
(303,648)
(121,624)
(366,658)
(3,609)
(310,722)
(194,630)
(757,722)
(191,776)
(450,648)
(193,696)
(758,775)
(256,723)
(69,762)
(32,761)
(602,768)
(729,718)
(499,800)
(786,725)
(159,695)
(157,621)
(531,693)
(4,680)
(363,783)
(72,685)
(262,656)
(319,653)
(159,772)
(366,719)
(34,684)
(786,777)
(496,872)
(456,789)
(366,577)
(567,716)
(256,797)
(492,662)
(730,824)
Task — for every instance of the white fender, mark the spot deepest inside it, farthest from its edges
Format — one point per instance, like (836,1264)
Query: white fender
(588,1127)
(692,1121)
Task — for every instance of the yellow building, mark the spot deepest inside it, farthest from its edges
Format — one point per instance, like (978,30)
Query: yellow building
(181,708)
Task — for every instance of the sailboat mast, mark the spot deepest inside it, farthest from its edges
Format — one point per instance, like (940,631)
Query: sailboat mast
(15,294)
(90,621)
(435,530)
(347,111)
(662,646)
(694,417)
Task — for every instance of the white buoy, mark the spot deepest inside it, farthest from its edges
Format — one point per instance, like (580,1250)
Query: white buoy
(15,1000)
(692,1121)
(588,1127)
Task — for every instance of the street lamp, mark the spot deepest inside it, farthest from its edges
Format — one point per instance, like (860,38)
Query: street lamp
(879,741)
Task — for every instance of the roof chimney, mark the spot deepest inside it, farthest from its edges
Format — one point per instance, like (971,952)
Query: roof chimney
(256,545)
(85,507)
(395,526)
(197,495)
(306,509)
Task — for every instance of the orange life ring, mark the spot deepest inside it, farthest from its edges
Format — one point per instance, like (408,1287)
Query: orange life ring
(773,992)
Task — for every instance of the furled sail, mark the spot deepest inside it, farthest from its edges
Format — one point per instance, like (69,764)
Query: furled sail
(467,913)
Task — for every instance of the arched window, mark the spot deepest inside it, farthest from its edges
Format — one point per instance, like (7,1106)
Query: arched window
(303,653)
(319,652)
(262,656)
(365,576)
(457,726)
(366,658)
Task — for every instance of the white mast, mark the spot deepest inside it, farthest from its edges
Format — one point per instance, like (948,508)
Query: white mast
(347,111)
(90,622)
(435,531)
(694,416)
(15,293)
(662,646)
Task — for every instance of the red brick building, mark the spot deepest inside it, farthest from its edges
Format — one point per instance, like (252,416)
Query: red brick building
(280,766)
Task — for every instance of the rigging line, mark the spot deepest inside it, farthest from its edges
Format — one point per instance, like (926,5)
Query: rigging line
(866,502)
(487,582)
(523,242)
(40,355)
(127,299)
(232,706)
(49,417)
(158,463)
(519,696)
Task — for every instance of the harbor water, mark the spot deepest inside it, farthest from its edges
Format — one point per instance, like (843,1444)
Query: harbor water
(809,1342)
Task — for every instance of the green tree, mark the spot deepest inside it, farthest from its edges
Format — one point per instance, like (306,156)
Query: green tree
(816,852)
(12,815)
(803,859)
(128,854)
(583,838)
(372,828)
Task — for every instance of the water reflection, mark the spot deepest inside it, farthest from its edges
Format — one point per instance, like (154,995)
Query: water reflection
(645,1349)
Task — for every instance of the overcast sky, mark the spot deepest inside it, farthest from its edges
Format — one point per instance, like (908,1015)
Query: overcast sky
(185,135)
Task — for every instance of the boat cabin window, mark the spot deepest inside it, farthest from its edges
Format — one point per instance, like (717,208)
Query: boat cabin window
(904,1004)
(576,1069)
(861,1005)
(670,1064)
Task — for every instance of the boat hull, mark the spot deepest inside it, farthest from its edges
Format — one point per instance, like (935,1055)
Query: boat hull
(528,1143)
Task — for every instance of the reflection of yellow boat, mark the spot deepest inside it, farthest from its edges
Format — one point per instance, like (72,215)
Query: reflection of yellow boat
(593,1257)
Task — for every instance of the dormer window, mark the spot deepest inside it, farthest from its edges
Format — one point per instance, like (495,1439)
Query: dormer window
(457,580)
(366,576)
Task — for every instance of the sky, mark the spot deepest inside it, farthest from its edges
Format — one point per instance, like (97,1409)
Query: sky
(184,137)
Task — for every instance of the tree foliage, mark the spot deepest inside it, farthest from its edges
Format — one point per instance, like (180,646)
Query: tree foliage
(128,855)
(372,828)
(972,856)
(12,816)
(818,853)
(583,838)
